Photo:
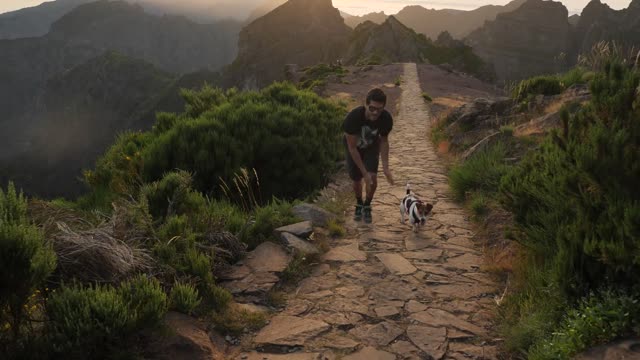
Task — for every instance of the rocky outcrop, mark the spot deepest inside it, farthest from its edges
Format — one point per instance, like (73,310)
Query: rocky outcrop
(188,340)
(458,23)
(374,17)
(303,32)
(598,22)
(526,42)
(35,21)
(173,43)
(388,42)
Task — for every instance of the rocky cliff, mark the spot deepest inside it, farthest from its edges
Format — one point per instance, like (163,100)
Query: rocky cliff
(457,22)
(532,40)
(599,22)
(374,17)
(303,32)
(173,43)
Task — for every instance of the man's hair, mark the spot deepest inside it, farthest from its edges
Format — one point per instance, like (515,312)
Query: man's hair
(376,95)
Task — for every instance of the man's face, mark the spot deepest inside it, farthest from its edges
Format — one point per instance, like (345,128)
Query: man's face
(373,110)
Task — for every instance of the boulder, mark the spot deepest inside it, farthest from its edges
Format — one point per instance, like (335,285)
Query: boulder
(317,215)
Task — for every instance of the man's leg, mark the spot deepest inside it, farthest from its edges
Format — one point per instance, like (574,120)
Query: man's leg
(356,177)
(357,189)
(371,189)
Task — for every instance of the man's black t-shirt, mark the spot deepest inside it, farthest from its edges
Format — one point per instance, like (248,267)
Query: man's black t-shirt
(368,132)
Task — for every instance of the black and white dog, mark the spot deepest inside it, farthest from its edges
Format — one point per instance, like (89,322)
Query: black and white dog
(415,209)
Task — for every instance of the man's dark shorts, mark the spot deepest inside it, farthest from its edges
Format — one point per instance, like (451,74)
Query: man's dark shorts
(369,156)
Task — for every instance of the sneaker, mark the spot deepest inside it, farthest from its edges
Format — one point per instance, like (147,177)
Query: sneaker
(358,214)
(367,213)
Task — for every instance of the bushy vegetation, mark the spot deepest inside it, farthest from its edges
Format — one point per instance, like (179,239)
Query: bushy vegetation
(549,84)
(93,321)
(167,210)
(184,298)
(480,173)
(26,261)
(577,208)
(221,132)
(315,76)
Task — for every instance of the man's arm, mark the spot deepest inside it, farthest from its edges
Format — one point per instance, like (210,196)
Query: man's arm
(384,154)
(352,145)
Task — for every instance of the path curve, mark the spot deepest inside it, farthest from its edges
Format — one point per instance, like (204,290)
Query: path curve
(384,292)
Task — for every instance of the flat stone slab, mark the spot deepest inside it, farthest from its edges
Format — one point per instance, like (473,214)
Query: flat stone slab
(417,241)
(426,254)
(268,257)
(370,353)
(346,253)
(381,334)
(264,356)
(290,331)
(236,272)
(389,290)
(302,229)
(301,246)
(341,319)
(437,317)
(413,306)
(318,295)
(396,264)
(403,348)
(466,262)
(346,305)
(335,341)
(385,311)
(351,292)
(452,219)
(431,340)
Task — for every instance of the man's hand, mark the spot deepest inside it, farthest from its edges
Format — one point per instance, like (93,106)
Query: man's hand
(388,175)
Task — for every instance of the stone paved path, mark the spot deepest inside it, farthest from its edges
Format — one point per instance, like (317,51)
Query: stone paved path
(385,292)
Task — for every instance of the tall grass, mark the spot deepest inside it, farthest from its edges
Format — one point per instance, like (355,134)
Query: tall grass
(481,172)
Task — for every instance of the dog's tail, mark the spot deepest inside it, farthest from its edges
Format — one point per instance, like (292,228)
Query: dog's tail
(408,188)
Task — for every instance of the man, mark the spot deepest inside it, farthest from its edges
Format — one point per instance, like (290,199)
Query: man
(366,140)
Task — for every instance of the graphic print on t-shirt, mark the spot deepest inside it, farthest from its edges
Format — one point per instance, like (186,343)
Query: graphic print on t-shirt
(368,136)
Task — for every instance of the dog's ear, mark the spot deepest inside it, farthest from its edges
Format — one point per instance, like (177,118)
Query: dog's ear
(429,208)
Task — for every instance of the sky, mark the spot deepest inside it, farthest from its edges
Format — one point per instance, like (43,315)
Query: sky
(359,7)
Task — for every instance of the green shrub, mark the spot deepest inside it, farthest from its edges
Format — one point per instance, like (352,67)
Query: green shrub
(548,84)
(87,321)
(26,260)
(184,298)
(598,319)
(576,199)
(577,210)
(266,218)
(221,133)
(172,195)
(316,76)
(478,204)
(426,97)
(236,321)
(215,298)
(482,171)
(93,321)
(230,217)
(507,130)
(145,299)
(539,85)
(335,228)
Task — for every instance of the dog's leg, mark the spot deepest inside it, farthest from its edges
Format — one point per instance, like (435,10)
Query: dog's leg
(401,214)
